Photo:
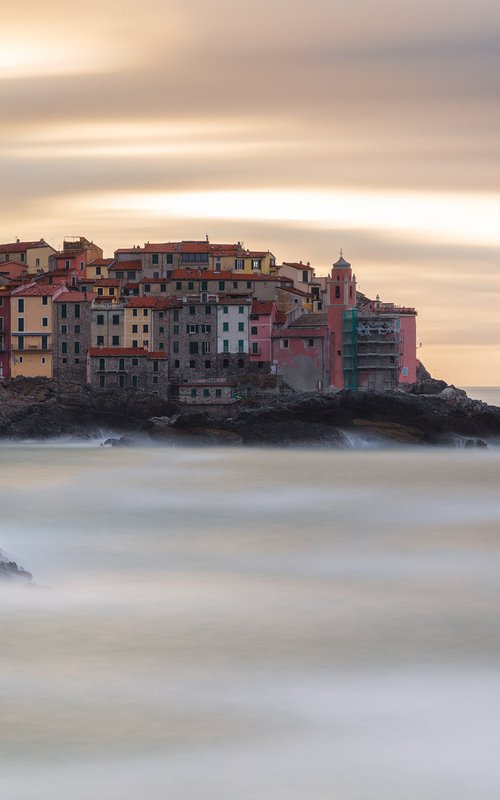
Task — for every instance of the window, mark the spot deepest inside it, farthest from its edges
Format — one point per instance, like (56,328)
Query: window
(119,274)
(135,381)
(155,258)
(255,347)
(206,392)
(77,348)
(64,328)
(20,306)
(66,264)
(20,324)
(64,347)
(241,363)
(205,347)
(64,360)
(218,392)
(161,329)
(121,381)
(134,312)
(204,286)
(135,343)
(206,329)
(121,365)
(21,359)
(225,310)
(222,286)
(115,341)
(193,393)
(45,300)
(189,258)
(305,276)
(45,322)
(193,347)
(77,360)
(145,312)
(176,315)
(225,363)
(241,310)
(102,364)
(156,366)
(155,378)
(260,364)
(161,345)
(135,362)
(98,271)
(170,258)
(147,287)
(310,343)
(225,326)
(100,318)
(37,261)
(176,330)
(337,292)
(241,326)
(175,347)
(235,284)
(100,291)
(77,329)
(192,310)
(284,344)
(225,346)
(161,314)
(208,309)
(192,364)
(190,286)
(178,286)
(102,381)
(135,329)
(82,265)
(249,285)
(115,319)
(255,263)
(163,287)
(239,263)
(111,291)
(145,328)
(208,364)
(241,345)
(254,330)
(177,363)
(100,341)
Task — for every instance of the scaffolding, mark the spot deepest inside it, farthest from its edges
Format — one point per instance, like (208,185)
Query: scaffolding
(350,348)
(378,350)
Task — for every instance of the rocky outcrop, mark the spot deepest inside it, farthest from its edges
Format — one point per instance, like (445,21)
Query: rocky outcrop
(10,571)
(38,408)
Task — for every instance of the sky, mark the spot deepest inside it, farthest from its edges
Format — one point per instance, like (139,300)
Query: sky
(301,128)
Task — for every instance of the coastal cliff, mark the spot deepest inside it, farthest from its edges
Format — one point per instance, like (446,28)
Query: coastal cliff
(428,412)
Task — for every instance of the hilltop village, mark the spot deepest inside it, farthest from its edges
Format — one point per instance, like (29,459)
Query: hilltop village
(197,322)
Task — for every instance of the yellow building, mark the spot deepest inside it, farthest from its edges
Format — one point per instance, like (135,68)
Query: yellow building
(107,290)
(98,269)
(32,329)
(34,254)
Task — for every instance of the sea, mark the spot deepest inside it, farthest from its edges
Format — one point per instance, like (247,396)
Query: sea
(250,624)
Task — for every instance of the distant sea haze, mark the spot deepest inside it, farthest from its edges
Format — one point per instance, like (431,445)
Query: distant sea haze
(488,394)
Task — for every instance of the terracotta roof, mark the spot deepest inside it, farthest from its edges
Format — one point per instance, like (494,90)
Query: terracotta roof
(297,265)
(121,352)
(310,321)
(225,275)
(292,290)
(72,297)
(264,307)
(69,254)
(150,302)
(100,262)
(124,265)
(38,290)
(107,282)
(281,317)
(233,301)
(19,247)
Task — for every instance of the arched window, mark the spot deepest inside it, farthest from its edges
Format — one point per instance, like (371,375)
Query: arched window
(241,363)
(337,291)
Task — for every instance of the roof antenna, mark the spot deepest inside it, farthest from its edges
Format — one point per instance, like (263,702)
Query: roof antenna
(341,252)
(206,236)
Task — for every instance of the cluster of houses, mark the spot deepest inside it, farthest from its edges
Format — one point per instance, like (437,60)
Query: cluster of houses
(196,321)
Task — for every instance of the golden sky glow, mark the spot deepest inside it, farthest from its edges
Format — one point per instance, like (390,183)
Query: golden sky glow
(300,128)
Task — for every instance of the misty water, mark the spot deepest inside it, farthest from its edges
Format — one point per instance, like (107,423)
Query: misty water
(248,624)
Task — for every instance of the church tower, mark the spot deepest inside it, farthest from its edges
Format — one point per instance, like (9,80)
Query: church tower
(341,293)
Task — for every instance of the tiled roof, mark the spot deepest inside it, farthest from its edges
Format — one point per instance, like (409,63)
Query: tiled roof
(100,262)
(309,321)
(292,290)
(69,254)
(150,302)
(107,282)
(122,352)
(124,265)
(264,307)
(38,290)
(72,297)
(19,247)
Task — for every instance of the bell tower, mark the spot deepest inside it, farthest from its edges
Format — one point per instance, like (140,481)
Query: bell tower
(341,293)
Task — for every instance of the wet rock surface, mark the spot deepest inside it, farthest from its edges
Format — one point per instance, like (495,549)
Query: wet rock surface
(39,408)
